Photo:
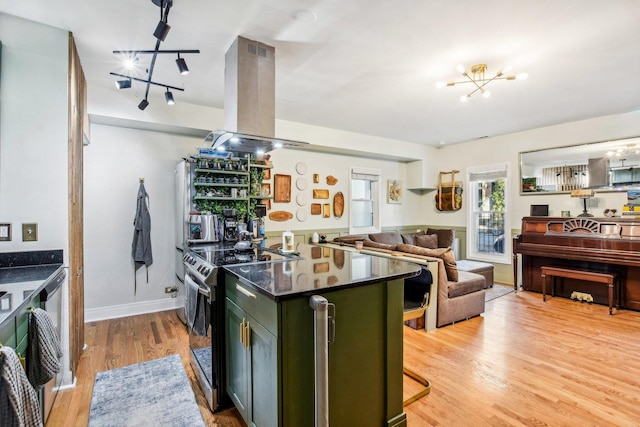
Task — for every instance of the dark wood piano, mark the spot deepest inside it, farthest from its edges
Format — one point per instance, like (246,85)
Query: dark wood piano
(609,245)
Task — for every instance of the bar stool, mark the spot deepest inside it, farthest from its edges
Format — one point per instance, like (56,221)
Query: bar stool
(416,302)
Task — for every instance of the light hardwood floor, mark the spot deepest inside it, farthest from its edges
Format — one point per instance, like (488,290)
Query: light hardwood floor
(522,363)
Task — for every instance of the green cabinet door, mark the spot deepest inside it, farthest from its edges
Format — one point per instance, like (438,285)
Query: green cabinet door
(252,367)
(237,373)
(263,382)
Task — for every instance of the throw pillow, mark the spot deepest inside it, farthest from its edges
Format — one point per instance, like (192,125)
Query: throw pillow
(377,245)
(388,237)
(429,241)
(445,236)
(446,254)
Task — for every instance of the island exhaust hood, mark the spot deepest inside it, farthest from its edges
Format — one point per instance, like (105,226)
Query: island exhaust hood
(249,101)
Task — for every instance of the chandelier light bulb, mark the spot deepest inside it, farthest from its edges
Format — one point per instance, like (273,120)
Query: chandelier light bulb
(464,98)
(460,68)
(522,76)
(486,94)
(440,84)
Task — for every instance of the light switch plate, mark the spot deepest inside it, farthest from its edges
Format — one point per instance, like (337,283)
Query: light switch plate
(29,232)
(5,232)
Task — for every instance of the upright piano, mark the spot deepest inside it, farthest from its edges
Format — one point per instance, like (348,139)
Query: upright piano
(610,245)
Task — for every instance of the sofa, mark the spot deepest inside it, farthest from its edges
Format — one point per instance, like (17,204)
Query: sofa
(460,293)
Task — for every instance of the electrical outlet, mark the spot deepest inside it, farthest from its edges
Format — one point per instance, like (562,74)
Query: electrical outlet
(5,232)
(29,232)
(170,290)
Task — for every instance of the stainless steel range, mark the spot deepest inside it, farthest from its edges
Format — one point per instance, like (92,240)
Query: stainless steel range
(205,312)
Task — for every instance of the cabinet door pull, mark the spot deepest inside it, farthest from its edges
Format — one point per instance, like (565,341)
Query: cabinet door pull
(245,292)
(242,332)
(247,340)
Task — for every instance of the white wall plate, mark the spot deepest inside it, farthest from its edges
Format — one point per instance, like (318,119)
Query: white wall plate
(301,199)
(301,184)
(301,168)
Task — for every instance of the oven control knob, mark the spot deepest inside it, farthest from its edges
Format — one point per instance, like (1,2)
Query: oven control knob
(206,271)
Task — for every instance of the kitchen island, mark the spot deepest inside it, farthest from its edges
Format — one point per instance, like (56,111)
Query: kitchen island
(270,337)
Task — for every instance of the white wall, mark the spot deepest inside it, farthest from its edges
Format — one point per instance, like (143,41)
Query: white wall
(113,163)
(506,148)
(34,141)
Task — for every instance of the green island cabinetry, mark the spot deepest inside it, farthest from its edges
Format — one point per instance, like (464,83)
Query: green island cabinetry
(270,354)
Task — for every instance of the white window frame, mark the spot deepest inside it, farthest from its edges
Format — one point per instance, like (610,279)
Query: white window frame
(472,232)
(375,196)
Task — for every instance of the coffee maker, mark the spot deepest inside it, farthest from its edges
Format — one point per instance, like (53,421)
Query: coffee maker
(256,225)
(230,225)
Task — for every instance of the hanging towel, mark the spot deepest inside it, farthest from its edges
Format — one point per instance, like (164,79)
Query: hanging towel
(141,246)
(196,309)
(43,349)
(18,400)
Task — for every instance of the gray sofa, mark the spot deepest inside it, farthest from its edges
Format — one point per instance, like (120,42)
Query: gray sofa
(460,293)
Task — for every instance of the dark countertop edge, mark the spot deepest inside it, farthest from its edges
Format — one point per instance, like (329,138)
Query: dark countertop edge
(24,303)
(31,258)
(279,298)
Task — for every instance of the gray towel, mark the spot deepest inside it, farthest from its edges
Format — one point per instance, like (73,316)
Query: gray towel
(43,349)
(196,309)
(19,405)
(141,245)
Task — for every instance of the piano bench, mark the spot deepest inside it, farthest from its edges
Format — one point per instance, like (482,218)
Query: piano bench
(609,279)
(482,268)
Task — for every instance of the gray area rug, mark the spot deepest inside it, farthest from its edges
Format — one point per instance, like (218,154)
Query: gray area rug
(153,393)
(497,291)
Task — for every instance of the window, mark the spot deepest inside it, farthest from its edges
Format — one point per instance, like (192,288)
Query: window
(488,227)
(365,201)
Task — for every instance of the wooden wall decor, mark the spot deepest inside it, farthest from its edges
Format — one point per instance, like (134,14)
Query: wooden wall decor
(332,180)
(320,194)
(316,208)
(280,216)
(282,188)
(316,178)
(338,204)
(321,267)
(326,210)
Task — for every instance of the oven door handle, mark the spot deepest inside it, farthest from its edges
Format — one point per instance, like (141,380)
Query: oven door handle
(206,293)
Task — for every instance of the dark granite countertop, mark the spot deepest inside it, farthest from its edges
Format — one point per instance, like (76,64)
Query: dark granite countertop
(320,268)
(23,275)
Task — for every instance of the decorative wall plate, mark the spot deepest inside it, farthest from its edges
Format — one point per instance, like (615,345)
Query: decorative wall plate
(301,215)
(301,184)
(301,199)
(301,168)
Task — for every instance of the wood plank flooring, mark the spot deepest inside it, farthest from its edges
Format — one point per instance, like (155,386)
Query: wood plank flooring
(524,362)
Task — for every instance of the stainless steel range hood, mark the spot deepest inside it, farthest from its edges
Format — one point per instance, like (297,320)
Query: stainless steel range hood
(249,100)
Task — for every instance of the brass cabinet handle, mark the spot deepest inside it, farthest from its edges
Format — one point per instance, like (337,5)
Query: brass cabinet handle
(242,332)
(247,340)
(245,292)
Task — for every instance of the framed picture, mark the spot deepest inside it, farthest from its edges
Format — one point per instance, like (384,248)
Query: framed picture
(394,191)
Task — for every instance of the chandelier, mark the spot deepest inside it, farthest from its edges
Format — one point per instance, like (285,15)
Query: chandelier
(479,81)
(130,59)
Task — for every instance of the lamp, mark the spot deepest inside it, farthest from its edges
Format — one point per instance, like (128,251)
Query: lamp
(478,79)
(162,30)
(182,65)
(169,97)
(123,84)
(143,104)
(584,195)
(160,33)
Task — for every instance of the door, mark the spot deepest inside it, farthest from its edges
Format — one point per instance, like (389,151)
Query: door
(237,372)
(263,381)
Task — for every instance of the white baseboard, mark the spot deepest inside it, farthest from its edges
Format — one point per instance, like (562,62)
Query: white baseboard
(124,310)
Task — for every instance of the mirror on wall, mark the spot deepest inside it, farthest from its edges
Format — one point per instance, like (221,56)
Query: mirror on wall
(612,165)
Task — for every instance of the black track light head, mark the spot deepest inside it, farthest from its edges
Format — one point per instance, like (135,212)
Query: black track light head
(162,30)
(182,66)
(143,104)
(169,97)
(123,84)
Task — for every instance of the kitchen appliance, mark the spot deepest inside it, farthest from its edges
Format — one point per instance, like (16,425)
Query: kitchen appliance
(206,281)
(208,228)
(230,224)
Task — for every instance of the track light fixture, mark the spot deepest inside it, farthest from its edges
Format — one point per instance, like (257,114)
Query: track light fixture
(182,65)
(479,81)
(123,84)
(131,56)
(169,97)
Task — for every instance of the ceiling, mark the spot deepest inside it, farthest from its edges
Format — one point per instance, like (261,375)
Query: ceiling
(371,66)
